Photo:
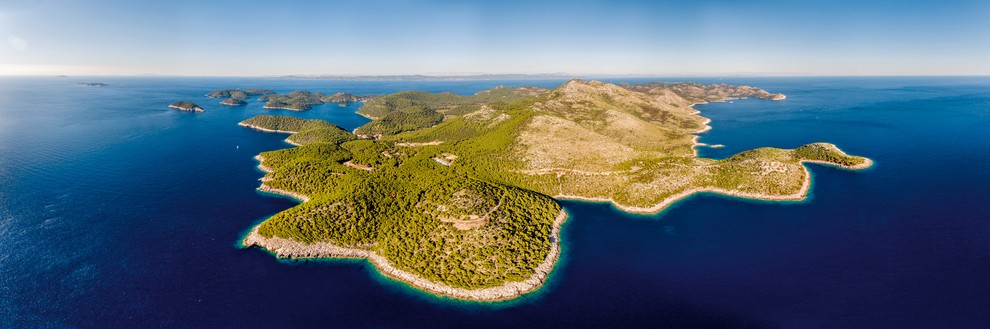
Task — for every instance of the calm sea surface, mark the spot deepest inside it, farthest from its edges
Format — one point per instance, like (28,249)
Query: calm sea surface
(118,212)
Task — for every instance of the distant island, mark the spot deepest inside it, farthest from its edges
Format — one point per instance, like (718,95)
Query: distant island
(238,93)
(233,102)
(302,100)
(93,84)
(421,77)
(455,194)
(704,93)
(186,106)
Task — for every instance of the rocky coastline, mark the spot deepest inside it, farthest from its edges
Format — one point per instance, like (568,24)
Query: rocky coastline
(186,106)
(288,248)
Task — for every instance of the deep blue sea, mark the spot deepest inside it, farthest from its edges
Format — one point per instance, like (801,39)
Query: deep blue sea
(118,212)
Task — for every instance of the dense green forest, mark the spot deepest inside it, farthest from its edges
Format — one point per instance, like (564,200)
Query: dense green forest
(394,209)
(303,131)
(407,119)
(335,135)
(285,123)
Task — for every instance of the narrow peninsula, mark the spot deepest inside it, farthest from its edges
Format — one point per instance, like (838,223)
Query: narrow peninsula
(456,195)
(186,106)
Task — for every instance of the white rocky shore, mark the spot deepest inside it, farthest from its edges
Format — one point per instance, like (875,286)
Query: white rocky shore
(190,109)
(265,129)
(288,248)
(801,194)
(268,189)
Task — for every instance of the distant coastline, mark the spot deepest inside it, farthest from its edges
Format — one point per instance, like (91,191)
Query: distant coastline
(423,77)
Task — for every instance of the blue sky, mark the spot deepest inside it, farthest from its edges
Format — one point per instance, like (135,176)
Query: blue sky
(248,38)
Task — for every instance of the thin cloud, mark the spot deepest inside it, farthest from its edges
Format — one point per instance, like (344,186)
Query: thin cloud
(17,43)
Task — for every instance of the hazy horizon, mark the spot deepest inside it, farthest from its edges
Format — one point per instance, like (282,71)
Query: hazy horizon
(533,76)
(441,38)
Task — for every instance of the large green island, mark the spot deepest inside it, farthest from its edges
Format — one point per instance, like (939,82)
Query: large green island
(455,195)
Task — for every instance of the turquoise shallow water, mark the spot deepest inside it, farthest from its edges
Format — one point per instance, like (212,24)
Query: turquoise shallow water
(117,212)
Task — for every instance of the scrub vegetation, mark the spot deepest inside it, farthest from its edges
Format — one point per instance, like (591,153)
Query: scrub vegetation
(460,189)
